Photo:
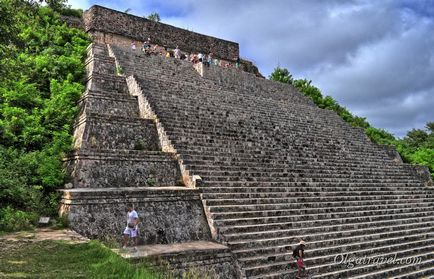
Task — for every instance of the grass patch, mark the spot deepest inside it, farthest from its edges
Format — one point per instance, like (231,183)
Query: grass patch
(60,259)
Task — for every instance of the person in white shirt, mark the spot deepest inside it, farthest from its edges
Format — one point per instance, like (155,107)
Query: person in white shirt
(177,53)
(131,230)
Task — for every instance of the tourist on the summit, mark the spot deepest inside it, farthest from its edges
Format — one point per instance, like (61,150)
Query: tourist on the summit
(238,62)
(146,45)
(298,255)
(210,58)
(131,231)
(205,60)
(133,46)
(177,53)
(195,59)
(200,56)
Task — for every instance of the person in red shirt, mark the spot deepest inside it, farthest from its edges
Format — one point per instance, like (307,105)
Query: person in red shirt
(298,254)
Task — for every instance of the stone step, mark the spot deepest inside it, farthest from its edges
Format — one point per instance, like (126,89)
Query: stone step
(310,190)
(296,153)
(422,270)
(413,184)
(327,254)
(213,124)
(358,222)
(335,245)
(175,117)
(279,237)
(207,113)
(246,216)
(284,206)
(394,168)
(386,171)
(236,163)
(332,268)
(220,128)
(307,194)
(271,172)
(331,179)
(386,269)
(185,135)
(204,144)
(328,246)
(206,258)
(296,175)
(318,199)
(296,216)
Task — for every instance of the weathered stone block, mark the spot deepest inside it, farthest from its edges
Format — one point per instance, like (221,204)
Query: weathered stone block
(101,65)
(167,215)
(103,132)
(114,27)
(108,104)
(107,83)
(122,168)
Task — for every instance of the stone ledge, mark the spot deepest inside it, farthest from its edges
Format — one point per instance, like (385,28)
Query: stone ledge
(98,94)
(129,121)
(174,249)
(121,155)
(111,23)
(96,75)
(133,194)
(210,259)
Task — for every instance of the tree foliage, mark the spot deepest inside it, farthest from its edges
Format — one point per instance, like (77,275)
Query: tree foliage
(417,147)
(41,82)
(154,17)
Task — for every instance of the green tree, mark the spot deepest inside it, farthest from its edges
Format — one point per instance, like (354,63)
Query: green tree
(154,17)
(43,69)
(281,75)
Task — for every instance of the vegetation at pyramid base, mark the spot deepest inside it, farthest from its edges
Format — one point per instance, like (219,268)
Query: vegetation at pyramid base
(417,147)
(41,79)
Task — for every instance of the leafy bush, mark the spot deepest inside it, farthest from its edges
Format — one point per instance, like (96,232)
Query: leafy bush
(71,12)
(43,70)
(12,219)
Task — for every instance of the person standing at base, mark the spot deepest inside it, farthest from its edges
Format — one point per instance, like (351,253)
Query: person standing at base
(177,53)
(131,230)
(298,255)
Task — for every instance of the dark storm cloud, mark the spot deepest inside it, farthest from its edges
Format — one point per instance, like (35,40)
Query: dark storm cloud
(374,57)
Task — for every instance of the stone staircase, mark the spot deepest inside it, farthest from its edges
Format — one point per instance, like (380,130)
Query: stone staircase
(120,160)
(276,169)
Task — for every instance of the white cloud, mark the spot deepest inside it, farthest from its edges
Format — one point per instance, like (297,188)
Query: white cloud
(79,4)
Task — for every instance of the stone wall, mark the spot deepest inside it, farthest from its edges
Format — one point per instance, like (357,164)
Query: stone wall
(124,168)
(167,215)
(101,132)
(99,102)
(114,27)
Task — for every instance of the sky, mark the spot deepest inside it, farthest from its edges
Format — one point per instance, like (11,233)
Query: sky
(375,57)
